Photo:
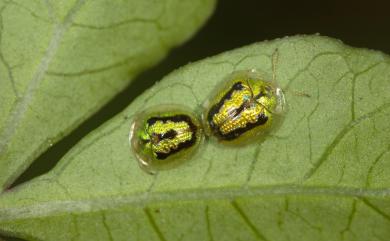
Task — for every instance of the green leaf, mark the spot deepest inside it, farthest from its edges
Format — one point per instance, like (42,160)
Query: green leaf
(323,175)
(60,61)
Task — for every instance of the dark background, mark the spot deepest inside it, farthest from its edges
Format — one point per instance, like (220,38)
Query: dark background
(238,23)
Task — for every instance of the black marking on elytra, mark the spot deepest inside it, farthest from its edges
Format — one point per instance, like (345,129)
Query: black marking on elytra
(241,108)
(144,141)
(258,96)
(215,108)
(170,134)
(173,118)
(156,138)
(261,120)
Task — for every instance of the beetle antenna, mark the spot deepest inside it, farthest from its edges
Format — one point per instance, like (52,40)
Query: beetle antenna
(275,58)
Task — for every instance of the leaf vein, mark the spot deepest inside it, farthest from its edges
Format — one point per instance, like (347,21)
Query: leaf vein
(248,222)
(374,163)
(349,221)
(106,227)
(2,58)
(208,223)
(142,199)
(92,71)
(339,137)
(153,224)
(120,23)
(376,209)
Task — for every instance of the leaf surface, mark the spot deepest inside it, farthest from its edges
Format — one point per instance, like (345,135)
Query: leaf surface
(323,175)
(60,61)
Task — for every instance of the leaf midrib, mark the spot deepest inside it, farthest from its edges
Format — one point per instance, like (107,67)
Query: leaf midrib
(144,199)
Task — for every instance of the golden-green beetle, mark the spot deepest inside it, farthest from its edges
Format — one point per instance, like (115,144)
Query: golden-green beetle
(164,136)
(244,107)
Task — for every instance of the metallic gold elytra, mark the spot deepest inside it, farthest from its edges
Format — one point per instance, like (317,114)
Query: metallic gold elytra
(166,145)
(228,119)
(244,107)
(164,136)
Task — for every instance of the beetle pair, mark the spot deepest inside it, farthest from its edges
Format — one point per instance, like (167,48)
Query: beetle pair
(242,109)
